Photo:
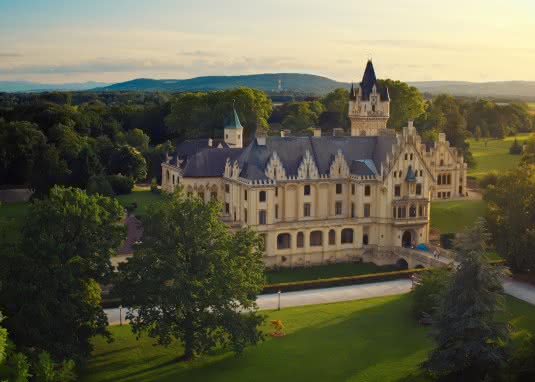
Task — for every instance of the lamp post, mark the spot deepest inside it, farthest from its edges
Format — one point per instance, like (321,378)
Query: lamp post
(279,293)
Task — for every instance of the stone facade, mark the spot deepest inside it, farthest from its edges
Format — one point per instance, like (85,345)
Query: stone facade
(327,199)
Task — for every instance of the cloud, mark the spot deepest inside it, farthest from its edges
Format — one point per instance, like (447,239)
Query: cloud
(10,54)
(405,44)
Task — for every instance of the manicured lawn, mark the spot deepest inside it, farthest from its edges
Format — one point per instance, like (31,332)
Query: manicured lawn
(494,155)
(325,271)
(531,106)
(365,340)
(143,197)
(11,217)
(455,215)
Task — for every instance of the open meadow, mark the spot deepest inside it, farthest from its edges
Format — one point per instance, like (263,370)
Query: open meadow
(365,340)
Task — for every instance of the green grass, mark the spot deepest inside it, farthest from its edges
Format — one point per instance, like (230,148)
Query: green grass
(143,197)
(11,218)
(325,271)
(494,156)
(531,106)
(455,215)
(366,340)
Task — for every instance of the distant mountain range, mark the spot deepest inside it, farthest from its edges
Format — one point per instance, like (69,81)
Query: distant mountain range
(29,87)
(292,82)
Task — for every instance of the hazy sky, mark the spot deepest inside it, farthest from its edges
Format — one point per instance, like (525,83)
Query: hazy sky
(117,40)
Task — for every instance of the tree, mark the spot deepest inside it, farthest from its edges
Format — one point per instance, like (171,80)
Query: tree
(137,138)
(510,207)
(427,290)
(128,161)
(301,116)
(406,102)
(477,133)
(515,148)
(191,280)
(528,157)
(470,340)
(51,293)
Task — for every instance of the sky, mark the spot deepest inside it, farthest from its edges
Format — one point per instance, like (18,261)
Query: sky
(410,40)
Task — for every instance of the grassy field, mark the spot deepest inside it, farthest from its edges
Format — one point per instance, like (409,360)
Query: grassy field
(326,271)
(494,155)
(455,215)
(365,340)
(11,217)
(142,196)
(531,106)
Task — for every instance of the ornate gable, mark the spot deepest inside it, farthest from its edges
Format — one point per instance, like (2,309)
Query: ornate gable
(339,167)
(307,169)
(274,168)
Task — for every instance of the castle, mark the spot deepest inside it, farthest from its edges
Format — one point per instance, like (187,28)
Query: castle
(320,199)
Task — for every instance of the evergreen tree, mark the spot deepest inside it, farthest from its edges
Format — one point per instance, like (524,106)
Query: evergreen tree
(470,341)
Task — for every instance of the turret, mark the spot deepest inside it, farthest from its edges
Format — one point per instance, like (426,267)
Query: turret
(233,129)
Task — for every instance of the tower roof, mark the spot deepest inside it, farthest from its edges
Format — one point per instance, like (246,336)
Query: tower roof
(232,121)
(369,80)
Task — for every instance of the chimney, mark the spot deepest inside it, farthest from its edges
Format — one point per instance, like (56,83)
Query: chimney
(411,122)
(285,133)
(317,132)
(210,142)
(261,140)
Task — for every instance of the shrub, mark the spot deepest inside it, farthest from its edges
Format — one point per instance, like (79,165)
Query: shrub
(121,184)
(446,240)
(516,148)
(154,186)
(488,179)
(99,184)
(426,291)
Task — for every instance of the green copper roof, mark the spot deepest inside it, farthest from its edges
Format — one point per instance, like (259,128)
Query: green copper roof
(232,121)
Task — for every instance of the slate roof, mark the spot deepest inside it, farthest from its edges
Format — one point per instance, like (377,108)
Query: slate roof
(368,80)
(209,162)
(364,155)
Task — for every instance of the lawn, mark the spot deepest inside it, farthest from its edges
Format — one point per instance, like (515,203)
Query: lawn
(455,215)
(493,155)
(143,197)
(531,106)
(325,271)
(11,217)
(365,340)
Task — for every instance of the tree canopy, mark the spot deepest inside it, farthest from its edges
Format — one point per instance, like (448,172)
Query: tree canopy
(193,281)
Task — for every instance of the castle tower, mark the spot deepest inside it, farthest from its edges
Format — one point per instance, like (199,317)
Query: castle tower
(233,129)
(369,105)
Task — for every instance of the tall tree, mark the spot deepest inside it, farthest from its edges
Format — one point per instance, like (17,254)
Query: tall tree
(191,280)
(406,102)
(470,340)
(51,292)
(128,161)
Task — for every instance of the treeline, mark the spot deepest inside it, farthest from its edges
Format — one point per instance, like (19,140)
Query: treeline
(106,141)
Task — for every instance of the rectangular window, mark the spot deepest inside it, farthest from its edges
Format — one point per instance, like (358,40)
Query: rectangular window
(418,189)
(397,190)
(227,188)
(307,189)
(276,191)
(262,217)
(227,208)
(338,208)
(352,210)
(245,195)
(420,210)
(306,209)
(394,212)
(262,196)
(276,211)
(338,188)
(352,189)
(245,215)
(367,210)
(367,190)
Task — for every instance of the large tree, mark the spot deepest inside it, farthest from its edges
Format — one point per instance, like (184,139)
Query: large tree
(511,216)
(470,340)
(51,293)
(406,102)
(193,281)
(128,161)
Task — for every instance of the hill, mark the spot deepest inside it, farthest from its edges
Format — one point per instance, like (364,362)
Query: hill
(521,90)
(295,82)
(28,86)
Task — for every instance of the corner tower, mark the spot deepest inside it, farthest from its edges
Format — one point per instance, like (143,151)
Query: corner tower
(233,130)
(369,105)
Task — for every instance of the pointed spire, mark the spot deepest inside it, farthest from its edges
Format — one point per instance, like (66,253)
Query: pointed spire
(352,94)
(233,121)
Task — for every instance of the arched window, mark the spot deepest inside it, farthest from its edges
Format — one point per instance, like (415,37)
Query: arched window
(300,240)
(412,211)
(173,178)
(167,174)
(442,162)
(332,237)
(284,241)
(347,236)
(316,238)
(365,239)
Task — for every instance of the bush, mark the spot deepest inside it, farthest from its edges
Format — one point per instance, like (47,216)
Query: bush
(426,291)
(516,148)
(488,179)
(446,240)
(154,186)
(99,184)
(121,184)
